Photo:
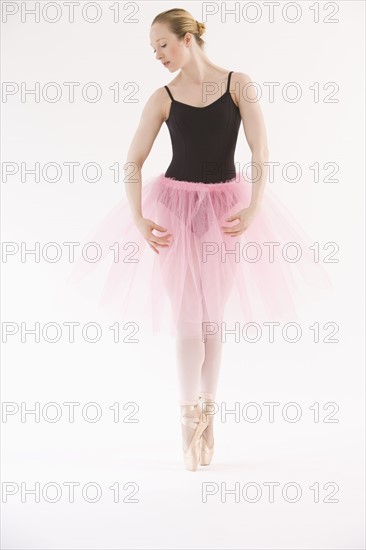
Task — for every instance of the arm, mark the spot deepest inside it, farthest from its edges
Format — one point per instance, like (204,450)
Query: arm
(152,117)
(256,137)
(255,133)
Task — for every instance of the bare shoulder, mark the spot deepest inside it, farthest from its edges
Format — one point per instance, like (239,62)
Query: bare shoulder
(157,97)
(240,86)
(156,104)
(242,78)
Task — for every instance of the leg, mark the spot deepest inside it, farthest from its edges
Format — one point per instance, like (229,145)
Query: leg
(210,376)
(212,361)
(190,348)
(190,352)
(211,366)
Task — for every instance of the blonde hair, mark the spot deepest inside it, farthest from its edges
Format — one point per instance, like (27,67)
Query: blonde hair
(180,21)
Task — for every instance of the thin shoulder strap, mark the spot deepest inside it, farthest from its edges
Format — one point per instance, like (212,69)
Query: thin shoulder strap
(228,81)
(169,92)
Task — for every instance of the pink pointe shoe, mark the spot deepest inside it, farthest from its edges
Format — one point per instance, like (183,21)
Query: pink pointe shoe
(207,412)
(191,416)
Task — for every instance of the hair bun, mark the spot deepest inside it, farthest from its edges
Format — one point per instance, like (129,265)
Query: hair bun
(201,27)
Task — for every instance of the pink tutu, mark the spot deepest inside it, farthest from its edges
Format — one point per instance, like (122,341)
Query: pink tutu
(205,279)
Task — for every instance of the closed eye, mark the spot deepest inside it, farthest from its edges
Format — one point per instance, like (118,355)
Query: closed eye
(162,47)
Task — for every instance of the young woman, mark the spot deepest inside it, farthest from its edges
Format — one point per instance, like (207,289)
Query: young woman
(199,209)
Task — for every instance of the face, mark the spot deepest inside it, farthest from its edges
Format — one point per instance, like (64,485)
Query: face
(168,49)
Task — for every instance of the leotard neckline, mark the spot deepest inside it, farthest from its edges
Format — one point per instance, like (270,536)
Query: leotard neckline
(204,106)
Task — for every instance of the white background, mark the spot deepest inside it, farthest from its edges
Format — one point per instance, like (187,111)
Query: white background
(170,512)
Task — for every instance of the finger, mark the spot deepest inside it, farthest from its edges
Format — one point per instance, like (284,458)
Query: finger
(158,241)
(236,234)
(231,226)
(164,238)
(153,236)
(233,230)
(154,249)
(152,242)
(228,229)
(159,227)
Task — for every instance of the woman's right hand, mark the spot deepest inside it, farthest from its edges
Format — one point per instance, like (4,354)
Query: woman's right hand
(146,226)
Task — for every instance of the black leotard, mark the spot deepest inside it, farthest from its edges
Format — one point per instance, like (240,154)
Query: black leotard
(203,139)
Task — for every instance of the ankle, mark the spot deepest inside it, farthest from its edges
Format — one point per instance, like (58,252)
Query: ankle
(206,396)
(184,403)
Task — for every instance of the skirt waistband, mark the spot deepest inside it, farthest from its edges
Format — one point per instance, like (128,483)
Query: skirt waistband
(237,181)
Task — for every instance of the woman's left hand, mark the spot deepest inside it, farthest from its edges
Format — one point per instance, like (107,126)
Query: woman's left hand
(245,218)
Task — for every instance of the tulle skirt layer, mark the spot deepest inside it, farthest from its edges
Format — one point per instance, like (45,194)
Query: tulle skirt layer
(206,280)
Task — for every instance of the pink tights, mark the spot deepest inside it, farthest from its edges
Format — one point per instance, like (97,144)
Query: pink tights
(198,361)
(198,365)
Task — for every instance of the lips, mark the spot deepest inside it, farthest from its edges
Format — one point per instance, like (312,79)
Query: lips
(166,62)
